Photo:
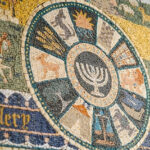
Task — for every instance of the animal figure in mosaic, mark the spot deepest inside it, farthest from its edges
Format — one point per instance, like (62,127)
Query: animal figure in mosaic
(126,9)
(48,66)
(59,22)
(133,79)
(4,45)
(124,123)
(146,18)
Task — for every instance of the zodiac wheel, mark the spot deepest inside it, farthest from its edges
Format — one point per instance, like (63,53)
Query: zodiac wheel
(86,76)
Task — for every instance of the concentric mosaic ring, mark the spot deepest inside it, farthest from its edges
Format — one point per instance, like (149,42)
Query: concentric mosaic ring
(91,72)
(86,76)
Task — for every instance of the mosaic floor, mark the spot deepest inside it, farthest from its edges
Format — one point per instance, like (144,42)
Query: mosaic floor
(73,78)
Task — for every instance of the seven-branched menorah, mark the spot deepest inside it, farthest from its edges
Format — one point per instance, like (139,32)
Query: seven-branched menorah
(98,77)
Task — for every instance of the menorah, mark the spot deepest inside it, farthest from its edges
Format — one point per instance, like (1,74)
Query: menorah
(95,76)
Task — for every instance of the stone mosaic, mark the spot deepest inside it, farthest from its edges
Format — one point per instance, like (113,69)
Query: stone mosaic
(73,76)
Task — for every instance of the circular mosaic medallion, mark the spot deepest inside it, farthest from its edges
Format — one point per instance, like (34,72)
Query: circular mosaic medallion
(92,74)
(86,76)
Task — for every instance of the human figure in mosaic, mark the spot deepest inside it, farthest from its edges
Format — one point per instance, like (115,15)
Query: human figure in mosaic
(4,45)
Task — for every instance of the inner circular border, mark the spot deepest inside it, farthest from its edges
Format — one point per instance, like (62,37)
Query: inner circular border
(97,101)
(46,7)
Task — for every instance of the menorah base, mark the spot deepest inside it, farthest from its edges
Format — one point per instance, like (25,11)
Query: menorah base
(97,93)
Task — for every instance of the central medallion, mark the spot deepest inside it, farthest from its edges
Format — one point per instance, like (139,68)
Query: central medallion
(92,74)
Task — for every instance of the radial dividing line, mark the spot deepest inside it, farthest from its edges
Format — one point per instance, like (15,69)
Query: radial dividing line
(67,108)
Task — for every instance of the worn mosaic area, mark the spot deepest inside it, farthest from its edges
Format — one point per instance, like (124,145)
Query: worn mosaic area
(71,78)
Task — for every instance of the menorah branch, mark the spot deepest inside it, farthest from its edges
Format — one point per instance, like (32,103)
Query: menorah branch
(97,77)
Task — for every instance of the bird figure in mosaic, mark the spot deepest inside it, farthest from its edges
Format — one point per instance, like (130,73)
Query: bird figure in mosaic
(146,18)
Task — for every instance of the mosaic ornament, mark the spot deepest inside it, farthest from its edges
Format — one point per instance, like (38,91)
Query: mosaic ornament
(86,76)
(23,125)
